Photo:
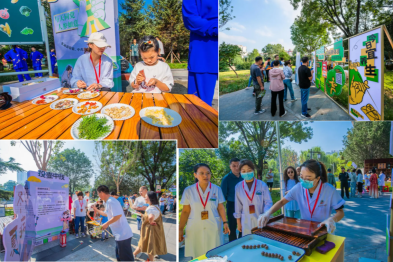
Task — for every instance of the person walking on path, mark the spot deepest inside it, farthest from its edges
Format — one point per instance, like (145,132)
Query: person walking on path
(344,177)
(259,89)
(305,77)
(80,208)
(162,203)
(353,178)
(228,184)
(134,50)
(373,189)
(267,69)
(277,88)
(381,181)
(152,239)
(288,81)
(269,181)
(331,178)
(140,205)
(359,182)
(118,224)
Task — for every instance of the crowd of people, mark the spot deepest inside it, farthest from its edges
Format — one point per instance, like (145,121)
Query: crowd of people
(249,203)
(111,211)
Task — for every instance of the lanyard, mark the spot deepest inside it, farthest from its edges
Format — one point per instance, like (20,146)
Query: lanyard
(316,202)
(95,71)
(207,198)
(253,193)
(81,204)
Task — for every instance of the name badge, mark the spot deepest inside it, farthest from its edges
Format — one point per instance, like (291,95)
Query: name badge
(251,209)
(204,215)
(258,193)
(212,199)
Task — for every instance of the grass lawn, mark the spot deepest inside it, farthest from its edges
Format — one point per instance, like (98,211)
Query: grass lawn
(9,211)
(388,97)
(14,77)
(178,66)
(230,83)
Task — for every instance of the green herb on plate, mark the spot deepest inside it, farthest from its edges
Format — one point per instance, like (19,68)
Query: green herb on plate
(93,127)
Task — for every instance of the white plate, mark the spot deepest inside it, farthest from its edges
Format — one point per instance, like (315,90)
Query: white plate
(92,111)
(67,91)
(55,97)
(176,117)
(80,95)
(75,132)
(53,105)
(119,105)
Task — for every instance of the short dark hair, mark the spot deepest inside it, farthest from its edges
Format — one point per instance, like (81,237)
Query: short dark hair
(103,189)
(87,192)
(80,193)
(235,159)
(374,170)
(152,197)
(354,170)
(148,42)
(287,62)
(246,162)
(258,58)
(342,167)
(329,169)
(276,56)
(304,59)
(197,166)
(113,194)
(282,58)
(268,58)
(276,62)
(101,206)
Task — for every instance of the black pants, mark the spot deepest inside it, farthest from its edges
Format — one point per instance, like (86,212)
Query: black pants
(280,95)
(232,224)
(124,250)
(346,187)
(258,100)
(267,76)
(134,60)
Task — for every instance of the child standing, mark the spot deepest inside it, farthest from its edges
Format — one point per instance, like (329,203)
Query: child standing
(103,219)
(151,75)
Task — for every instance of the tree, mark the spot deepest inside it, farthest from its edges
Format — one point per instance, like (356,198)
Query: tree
(367,140)
(272,49)
(9,165)
(225,13)
(131,183)
(75,165)
(253,54)
(157,163)
(42,151)
(49,28)
(308,35)
(288,158)
(190,157)
(284,55)
(116,157)
(9,185)
(258,140)
(228,53)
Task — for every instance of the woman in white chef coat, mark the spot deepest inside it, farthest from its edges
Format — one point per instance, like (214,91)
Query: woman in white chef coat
(94,70)
(316,197)
(252,198)
(204,214)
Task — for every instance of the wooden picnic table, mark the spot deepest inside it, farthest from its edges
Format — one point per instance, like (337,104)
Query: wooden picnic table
(198,129)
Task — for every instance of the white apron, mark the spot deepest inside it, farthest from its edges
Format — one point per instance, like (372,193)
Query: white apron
(261,201)
(203,235)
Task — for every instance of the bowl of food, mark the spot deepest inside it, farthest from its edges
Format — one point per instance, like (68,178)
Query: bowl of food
(63,104)
(87,108)
(118,111)
(92,127)
(43,100)
(88,95)
(160,116)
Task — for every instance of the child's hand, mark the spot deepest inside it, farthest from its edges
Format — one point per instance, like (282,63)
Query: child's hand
(152,82)
(135,86)
(140,78)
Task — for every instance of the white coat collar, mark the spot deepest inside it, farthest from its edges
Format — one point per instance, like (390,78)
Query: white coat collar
(204,194)
(254,184)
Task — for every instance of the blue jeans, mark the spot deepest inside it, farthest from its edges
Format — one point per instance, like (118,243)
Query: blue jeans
(162,208)
(77,221)
(249,81)
(288,85)
(104,234)
(139,222)
(353,189)
(304,97)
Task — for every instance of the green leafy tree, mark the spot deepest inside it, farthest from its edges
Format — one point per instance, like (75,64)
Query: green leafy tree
(9,165)
(131,183)
(367,140)
(258,139)
(75,165)
(253,54)
(272,49)
(284,55)
(225,13)
(227,54)
(289,157)
(9,185)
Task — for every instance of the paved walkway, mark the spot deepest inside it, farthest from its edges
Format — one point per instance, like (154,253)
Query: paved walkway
(364,227)
(97,250)
(240,105)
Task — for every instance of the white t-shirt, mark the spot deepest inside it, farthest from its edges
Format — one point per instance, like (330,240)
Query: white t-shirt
(152,210)
(120,229)
(382,179)
(78,205)
(87,198)
(170,200)
(270,179)
(160,71)
(140,201)
(90,207)
(162,201)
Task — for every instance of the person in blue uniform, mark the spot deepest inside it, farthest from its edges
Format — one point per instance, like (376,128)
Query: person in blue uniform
(36,57)
(53,59)
(18,57)
(201,18)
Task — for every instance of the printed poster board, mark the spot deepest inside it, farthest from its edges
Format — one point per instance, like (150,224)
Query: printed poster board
(20,22)
(366,70)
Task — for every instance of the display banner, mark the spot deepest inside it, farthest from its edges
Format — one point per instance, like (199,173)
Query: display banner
(73,22)
(49,194)
(335,81)
(20,22)
(337,52)
(321,53)
(366,76)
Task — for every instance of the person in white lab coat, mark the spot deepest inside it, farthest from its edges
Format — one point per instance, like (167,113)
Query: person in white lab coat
(316,197)
(252,198)
(204,214)
(290,180)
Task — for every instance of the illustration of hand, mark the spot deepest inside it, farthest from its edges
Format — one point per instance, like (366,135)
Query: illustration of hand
(371,113)
(357,92)
(98,8)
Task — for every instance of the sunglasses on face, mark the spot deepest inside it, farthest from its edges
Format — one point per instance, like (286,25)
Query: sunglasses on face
(290,172)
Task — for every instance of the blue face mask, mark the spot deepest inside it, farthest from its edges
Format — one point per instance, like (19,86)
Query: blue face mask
(248,176)
(306,184)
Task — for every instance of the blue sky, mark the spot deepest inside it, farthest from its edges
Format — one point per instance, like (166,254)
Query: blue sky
(260,22)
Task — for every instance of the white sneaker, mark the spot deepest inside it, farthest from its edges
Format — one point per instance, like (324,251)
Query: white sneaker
(293,100)
(76,235)
(83,235)
(284,114)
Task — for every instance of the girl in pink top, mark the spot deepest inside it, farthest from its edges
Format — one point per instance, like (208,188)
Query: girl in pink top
(277,88)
